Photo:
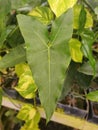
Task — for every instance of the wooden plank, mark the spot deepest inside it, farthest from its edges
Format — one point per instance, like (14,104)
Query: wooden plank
(58,117)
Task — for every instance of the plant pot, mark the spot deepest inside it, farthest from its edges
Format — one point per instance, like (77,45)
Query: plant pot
(73,110)
(93,112)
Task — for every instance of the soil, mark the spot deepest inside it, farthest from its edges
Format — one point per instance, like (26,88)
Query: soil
(53,126)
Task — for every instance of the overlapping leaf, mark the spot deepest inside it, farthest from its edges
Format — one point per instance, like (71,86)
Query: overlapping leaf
(48,55)
(26,86)
(87,42)
(31,117)
(60,6)
(15,56)
(88,20)
(44,14)
(75,50)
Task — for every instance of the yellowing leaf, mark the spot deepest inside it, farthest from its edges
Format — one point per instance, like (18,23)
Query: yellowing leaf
(21,68)
(27,112)
(26,86)
(89,20)
(75,51)
(60,6)
(31,117)
(43,14)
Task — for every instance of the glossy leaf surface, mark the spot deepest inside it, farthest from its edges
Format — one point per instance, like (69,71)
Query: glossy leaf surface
(48,55)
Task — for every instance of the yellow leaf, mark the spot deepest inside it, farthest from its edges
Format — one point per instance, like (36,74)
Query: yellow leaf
(75,50)
(61,6)
(89,19)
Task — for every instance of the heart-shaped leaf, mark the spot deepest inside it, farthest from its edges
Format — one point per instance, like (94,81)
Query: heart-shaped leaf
(48,55)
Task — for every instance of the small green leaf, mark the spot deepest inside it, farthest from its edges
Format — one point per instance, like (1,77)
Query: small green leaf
(87,42)
(26,86)
(15,56)
(75,50)
(44,14)
(61,6)
(93,96)
(87,69)
(82,19)
(77,13)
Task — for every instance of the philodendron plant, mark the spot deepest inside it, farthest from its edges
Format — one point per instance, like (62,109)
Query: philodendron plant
(45,37)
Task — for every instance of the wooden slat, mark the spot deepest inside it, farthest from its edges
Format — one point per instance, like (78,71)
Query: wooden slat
(58,117)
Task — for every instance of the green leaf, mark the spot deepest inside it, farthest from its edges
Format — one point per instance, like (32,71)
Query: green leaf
(92,3)
(88,70)
(93,96)
(48,55)
(69,79)
(87,42)
(75,50)
(23,3)
(74,76)
(83,80)
(15,56)
(77,16)
(43,14)
(1,94)
(26,86)
(15,38)
(82,19)
(5,7)
(60,6)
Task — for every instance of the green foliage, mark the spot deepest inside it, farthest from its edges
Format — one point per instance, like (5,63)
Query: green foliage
(15,56)
(88,70)
(5,7)
(43,14)
(87,42)
(24,3)
(61,6)
(93,96)
(82,16)
(49,50)
(26,86)
(1,93)
(39,37)
(31,117)
(74,45)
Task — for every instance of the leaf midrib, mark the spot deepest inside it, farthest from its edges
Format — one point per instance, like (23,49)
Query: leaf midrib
(49,72)
(57,32)
(44,43)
